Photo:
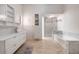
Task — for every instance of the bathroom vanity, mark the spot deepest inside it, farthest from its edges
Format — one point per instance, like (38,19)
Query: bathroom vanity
(10,21)
(70,44)
(10,43)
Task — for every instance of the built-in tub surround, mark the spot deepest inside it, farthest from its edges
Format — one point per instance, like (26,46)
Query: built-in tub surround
(69,41)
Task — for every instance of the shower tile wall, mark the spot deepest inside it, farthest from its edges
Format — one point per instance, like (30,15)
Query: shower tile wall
(50,26)
(48,30)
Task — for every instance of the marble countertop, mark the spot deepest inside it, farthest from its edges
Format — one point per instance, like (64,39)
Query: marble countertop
(68,38)
(4,37)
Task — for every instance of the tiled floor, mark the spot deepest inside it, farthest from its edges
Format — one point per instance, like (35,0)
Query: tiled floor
(40,47)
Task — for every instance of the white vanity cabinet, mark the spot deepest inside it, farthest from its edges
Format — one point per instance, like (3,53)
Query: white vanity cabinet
(10,45)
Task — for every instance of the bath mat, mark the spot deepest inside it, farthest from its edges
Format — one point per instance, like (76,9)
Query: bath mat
(28,50)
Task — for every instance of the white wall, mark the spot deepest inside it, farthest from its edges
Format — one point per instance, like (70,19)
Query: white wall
(29,10)
(60,22)
(18,11)
(71,19)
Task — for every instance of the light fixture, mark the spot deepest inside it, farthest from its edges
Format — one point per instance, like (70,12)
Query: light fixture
(51,16)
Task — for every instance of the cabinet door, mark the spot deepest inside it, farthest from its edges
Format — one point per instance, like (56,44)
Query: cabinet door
(10,45)
(2,47)
(21,39)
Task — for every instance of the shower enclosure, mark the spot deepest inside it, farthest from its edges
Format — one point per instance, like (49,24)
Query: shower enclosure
(50,26)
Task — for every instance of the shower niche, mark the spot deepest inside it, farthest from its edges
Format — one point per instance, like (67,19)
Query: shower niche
(37,19)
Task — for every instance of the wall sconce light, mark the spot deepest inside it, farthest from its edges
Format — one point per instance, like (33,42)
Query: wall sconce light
(3,17)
